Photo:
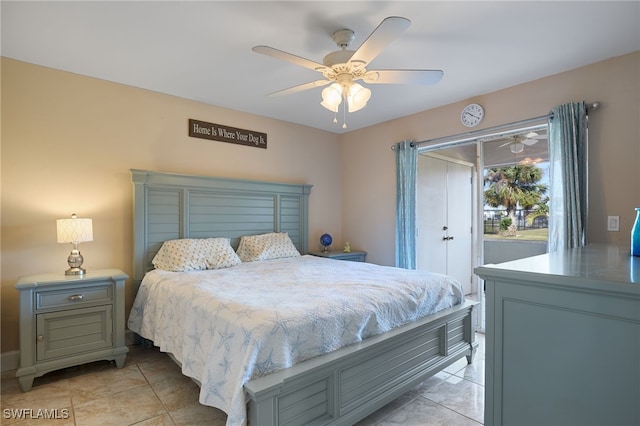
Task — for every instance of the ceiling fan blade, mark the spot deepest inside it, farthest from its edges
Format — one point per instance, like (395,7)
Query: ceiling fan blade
(403,76)
(300,87)
(289,57)
(505,144)
(534,135)
(388,30)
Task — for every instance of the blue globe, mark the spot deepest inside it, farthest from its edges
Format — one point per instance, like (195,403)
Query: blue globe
(326,240)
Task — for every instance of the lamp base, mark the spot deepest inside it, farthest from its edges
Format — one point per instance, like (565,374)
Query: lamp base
(75,271)
(75,261)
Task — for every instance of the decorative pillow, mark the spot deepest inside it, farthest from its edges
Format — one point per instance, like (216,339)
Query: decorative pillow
(274,245)
(221,254)
(195,255)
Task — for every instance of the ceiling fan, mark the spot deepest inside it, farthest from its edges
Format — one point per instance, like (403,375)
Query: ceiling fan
(518,142)
(344,67)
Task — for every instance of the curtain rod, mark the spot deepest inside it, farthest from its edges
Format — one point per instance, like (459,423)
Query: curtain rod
(462,138)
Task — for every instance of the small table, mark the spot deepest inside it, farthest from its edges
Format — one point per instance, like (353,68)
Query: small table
(70,320)
(354,256)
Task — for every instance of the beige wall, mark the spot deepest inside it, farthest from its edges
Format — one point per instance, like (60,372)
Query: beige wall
(368,216)
(68,143)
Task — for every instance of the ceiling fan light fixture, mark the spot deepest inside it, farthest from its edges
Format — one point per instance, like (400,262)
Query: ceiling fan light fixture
(332,97)
(517,147)
(358,97)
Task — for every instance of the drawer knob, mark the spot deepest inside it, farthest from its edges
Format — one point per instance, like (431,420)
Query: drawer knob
(40,338)
(76,297)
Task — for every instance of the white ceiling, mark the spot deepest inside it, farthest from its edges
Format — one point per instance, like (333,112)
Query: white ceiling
(202,50)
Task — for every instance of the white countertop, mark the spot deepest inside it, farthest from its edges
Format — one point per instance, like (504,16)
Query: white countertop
(592,264)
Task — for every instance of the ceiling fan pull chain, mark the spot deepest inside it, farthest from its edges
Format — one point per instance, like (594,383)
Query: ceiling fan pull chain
(344,109)
(344,113)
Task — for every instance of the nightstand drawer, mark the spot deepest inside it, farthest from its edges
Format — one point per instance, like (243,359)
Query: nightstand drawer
(64,333)
(74,296)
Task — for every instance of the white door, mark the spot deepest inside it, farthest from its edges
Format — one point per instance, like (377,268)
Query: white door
(445,209)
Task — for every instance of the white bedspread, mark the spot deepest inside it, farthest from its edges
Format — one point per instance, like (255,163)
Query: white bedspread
(228,326)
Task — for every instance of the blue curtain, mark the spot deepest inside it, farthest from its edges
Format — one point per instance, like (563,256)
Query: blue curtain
(568,176)
(406,168)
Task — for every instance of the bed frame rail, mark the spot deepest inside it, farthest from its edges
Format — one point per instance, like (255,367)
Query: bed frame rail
(343,387)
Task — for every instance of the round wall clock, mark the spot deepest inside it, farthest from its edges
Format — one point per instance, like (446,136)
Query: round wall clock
(472,115)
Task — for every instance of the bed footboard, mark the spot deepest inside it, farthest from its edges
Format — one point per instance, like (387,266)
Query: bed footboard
(347,385)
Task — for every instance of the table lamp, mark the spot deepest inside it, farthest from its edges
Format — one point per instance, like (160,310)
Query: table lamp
(75,230)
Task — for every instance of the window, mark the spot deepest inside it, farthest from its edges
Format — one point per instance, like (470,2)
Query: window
(516,182)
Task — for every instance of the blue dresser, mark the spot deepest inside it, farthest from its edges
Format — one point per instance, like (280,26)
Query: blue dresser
(563,339)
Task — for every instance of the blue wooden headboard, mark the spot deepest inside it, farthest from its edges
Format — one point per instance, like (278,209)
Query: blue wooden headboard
(168,206)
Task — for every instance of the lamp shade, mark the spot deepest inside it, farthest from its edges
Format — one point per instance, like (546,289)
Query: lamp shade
(358,97)
(332,97)
(74,230)
(517,147)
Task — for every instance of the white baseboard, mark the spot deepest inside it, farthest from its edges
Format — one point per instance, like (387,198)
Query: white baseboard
(9,361)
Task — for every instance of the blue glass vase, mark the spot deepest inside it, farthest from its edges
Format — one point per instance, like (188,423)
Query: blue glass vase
(635,235)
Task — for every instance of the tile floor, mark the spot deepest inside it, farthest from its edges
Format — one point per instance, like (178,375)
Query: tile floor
(150,390)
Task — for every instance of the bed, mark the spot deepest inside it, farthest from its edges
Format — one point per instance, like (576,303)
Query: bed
(347,367)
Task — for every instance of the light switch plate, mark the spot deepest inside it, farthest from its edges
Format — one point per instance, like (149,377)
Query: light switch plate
(613,223)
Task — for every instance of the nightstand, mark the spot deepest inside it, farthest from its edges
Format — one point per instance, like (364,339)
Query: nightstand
(354,256)
(70,320)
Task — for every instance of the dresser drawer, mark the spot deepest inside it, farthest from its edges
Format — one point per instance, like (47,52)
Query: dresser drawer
(78,296)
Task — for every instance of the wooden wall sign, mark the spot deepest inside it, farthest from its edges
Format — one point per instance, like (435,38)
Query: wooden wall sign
(222,133)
